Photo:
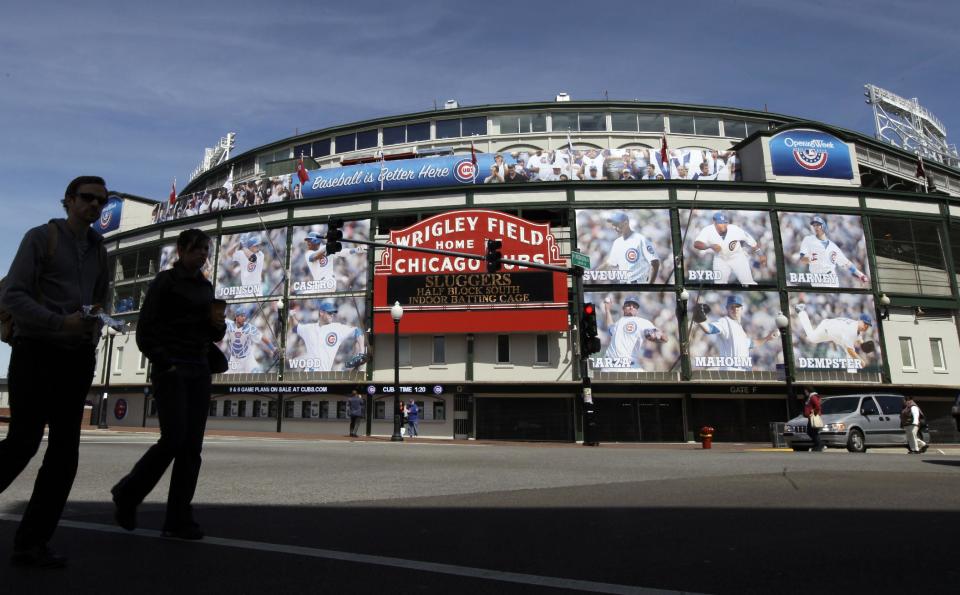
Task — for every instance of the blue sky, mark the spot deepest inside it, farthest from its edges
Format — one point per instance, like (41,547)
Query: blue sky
(135,91)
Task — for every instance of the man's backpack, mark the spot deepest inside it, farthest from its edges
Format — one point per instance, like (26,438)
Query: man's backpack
(6,318)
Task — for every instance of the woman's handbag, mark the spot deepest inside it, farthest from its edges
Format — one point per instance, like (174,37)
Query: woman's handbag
(816,421)
(216,360)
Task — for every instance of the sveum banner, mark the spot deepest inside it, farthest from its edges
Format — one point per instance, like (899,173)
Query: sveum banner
(425,172)
(811,154)
(110,215)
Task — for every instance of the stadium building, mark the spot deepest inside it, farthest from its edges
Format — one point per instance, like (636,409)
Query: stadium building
(733,256)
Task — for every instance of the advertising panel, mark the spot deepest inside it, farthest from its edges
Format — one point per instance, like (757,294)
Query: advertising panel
(638,332)
(229,196)
(450,294)
(632,246)
(835,331)
(312,272)
(110,215)
(250,342)
(251,264)
(810,153)
(728,247)
(326,335)
(735,331)
(824,250)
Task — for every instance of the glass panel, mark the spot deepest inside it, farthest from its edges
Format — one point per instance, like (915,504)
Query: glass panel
(906,352)
(735,128)
(650,122)
(538,122)
(503,349)
(840,405)
(228,406)
(869,407)
(507,124)
(889,404)
(476,126)
(936,352)
(439,350)
(417,132)
(379,410)
(624,121)
(366,139)
(404,351)
(394,135)
(345,143)
(321,148)
(755,126)
(681,124)
(563,121)
(341,410)
(543,349)
(448,128)
(302,150)
(439,410)
(708,126)
(592,121)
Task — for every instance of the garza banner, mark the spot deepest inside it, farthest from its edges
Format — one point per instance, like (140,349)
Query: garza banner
(110,215)
(452,294)
(811,154)
(425,172)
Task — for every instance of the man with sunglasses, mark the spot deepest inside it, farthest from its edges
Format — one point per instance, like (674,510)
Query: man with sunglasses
(50,280)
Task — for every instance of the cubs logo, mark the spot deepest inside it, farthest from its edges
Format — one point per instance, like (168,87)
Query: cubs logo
(252,266)
(106,216)
(833,257)
(323,261)
(464,171)
(632,255)
(120,409)
(630,328)
(331,339)
(732,246)
(810,158)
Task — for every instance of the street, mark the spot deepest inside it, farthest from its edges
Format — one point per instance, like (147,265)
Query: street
(317,516)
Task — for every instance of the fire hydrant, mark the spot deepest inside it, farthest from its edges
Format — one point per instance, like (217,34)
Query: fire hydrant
(706,436)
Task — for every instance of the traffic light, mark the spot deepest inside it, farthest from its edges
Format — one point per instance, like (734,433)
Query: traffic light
(494,255)
(589,341)
(334,235)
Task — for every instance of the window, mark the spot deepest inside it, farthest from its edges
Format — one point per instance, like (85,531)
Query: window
(707,126)
(681,124)
(650,122)
(476,126)
(514,124)
(955,248)
(212,412)
(268,158)
(405,360)
(142,364)
(503,349)
(227,406)
(448,128)
(735,128)
(936,355)
(324,409)
(592,121)
(906,354)
(341,410)
(345,143)
(889,404)
(582,121)
(118,360)
(272,408)
(439,410)
(624,121)
(241,408)
(302,151)
(288,408)
(320,148)
(366,139)
(417,132)
(565,121)
(910,256)
(394,135)
(755,126)
(379,410)
(257,404)
(543,349)
(304,408)
(868,407)
(439,350)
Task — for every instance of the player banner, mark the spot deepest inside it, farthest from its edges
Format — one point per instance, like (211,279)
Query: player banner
(251,264)
(326,335)
(628,246)
(824,250)
(734,331)
(250,343)
(169,257)
(313,272)
(453,294)
(835,331)
(638,332)
(727,247)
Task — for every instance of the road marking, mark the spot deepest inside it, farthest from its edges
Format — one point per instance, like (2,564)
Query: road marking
(438,568)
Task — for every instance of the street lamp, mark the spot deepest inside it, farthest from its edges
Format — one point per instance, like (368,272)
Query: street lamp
(885,305)
(102,417)
(396,312)
(783,324)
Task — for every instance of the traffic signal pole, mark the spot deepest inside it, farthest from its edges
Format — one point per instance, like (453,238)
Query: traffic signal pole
(586,391)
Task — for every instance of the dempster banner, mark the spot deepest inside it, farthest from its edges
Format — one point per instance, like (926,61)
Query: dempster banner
(453,294)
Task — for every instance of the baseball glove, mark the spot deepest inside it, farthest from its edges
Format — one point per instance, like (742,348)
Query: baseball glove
(700,312)
(357,361)
(868,346)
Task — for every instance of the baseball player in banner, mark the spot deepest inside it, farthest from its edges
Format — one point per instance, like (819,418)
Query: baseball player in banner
(824,250)
(735,331)
(834,331)
(313,272)
(638,332)
(327,335)
(168,257)
(250,342)
(251,264)
(722,247)
(626,246)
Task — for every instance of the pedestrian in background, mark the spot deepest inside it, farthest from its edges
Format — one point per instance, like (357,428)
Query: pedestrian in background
(355,405)
(413,419)
(176,330)
(812,411)
(910,418)
(59,268)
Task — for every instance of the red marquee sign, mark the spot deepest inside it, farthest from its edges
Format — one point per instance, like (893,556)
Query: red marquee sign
(451,294)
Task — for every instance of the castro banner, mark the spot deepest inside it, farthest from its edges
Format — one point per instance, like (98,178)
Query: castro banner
(811,154)
(452,294)
(110,215)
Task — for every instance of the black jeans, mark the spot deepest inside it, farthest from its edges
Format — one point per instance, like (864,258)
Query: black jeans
(183,402)
(814,434)
(355,424)
(48,387)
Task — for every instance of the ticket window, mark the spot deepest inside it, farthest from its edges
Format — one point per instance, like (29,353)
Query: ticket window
(304,409)
(227,408)
(324,409)
(341,410)
(268,409)
(439,410)
(211,413)
(379,410)
(314,409)
(241,408)
(288,408)
(234,408)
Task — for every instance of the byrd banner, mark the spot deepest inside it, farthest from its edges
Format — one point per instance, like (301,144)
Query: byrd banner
(810,154)
(453,294)
(727,247)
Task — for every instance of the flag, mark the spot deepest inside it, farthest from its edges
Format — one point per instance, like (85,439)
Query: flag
(663,148)
(229,183)
(173,191)
(569,144)
(302,171)
(921,173)
(473,156)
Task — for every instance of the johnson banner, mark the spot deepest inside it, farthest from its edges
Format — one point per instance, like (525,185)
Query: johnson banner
(454,294)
